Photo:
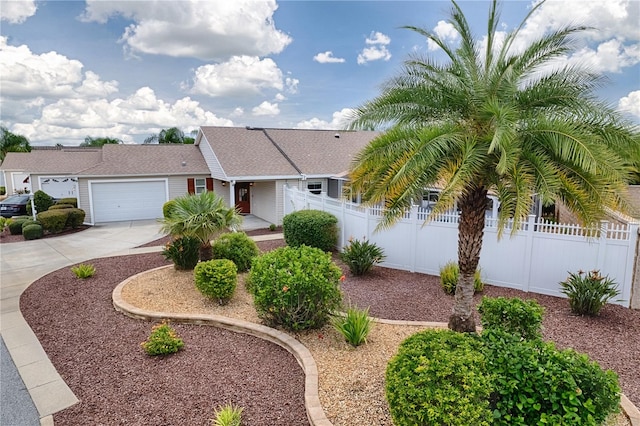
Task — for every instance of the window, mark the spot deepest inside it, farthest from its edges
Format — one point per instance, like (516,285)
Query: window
(314,187)
(201,186)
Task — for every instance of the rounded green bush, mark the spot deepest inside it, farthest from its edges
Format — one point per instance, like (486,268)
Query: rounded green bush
(68,200)
(216,279)
(41,200)
(438,377)
(53,221)
(295,287)
(15,226)
(75,217)
(237,247)
(61,206)
(313,228)
(167,208)
(32,231)
(516,316)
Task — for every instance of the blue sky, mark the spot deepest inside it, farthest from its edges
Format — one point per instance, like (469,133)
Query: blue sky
(127,69)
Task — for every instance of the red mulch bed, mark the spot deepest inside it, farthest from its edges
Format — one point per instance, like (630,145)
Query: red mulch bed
(96,350)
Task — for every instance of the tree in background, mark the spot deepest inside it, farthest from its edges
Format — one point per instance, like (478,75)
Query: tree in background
(98,142)
(171,135)
(10,142)
(494,118)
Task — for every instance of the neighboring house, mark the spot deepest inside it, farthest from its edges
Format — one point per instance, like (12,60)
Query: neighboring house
(112,183)
(250,166)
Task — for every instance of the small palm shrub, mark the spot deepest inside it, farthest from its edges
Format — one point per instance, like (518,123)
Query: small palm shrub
(184,252)
(228,416)
(163,340)
(31,231)
(237,247)
(516,316)
(295,287)
(449,274)
(535,383)
(361,256)
(354,326)
(588,292)
(438,377)
(313,228)
(83,271)
(217,279)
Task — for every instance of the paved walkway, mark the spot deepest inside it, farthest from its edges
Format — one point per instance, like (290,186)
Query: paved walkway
(32,389)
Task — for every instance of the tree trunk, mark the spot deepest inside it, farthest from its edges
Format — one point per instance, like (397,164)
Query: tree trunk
(470,232)
(205,252)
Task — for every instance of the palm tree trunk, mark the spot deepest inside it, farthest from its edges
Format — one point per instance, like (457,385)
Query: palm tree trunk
(470,232)
(205,252)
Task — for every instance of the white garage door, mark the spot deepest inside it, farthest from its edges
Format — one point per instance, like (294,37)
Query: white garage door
(116,201)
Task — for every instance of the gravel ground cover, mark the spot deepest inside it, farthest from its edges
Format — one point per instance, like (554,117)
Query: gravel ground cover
(351,379)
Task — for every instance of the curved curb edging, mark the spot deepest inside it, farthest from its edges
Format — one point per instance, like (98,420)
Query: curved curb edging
(315,413)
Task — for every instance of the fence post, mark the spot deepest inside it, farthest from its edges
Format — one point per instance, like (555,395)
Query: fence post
(528,252)
(602,245)
(413,246)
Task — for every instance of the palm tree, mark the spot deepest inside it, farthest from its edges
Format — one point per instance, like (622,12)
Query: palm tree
(203,216)
(493,119)
(98,142)
(171,135)
(10,142)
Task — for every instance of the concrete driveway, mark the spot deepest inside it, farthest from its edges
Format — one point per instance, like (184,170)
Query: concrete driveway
(31,388)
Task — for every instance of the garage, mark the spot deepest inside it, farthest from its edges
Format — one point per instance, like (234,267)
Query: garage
(127,200)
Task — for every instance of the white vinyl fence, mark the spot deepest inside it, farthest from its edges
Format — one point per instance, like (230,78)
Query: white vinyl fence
(535,258)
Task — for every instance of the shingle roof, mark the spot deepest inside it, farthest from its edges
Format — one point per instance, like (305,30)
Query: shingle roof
(111,160)
(284,152)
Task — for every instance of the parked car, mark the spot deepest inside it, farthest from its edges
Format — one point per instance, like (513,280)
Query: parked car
(15,205)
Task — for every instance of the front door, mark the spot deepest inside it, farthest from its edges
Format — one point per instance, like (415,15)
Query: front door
(243,197)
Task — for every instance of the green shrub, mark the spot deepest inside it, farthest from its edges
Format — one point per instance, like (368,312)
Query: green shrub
(535,383)
(313,228)
(61,206)
(69,200)
(354,326)
(516,316)
(295,287)
(228,416)
(588,292)
(237,247)
(272,227)
(15,226)
(184,252)
(439,378)
(217,279)
(75,217)
(162,341)
(167,208)
(3,190)
(31,231)
(84,271)
(53,221)
(449,274)
(3,223)
(41,201)
(361,256)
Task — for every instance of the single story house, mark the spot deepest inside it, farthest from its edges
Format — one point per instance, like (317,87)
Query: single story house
(247,166)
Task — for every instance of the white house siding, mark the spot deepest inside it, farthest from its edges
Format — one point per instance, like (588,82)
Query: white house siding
(83,199)
(263,200)
(212,161)
(222,191)
(280,184)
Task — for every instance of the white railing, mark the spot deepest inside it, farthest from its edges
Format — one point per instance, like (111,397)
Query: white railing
(535,258)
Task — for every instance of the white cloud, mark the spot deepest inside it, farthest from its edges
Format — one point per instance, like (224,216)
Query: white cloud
(241,75)
(446,32)
(339,121)
(280,97)
(291,84)
(16,12)
(266,108)
(237,112)
(609,56)
(377,49)
(327,58)
(212,30)
(631,103)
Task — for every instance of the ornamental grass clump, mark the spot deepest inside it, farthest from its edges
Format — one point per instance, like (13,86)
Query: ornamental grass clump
(355,325)
(163,340)
(229,415)
(295,287)
(83,271)
(361,256)
(588,292)
(449,274)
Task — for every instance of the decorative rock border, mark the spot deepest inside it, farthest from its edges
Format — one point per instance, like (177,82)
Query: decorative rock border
(315,413)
